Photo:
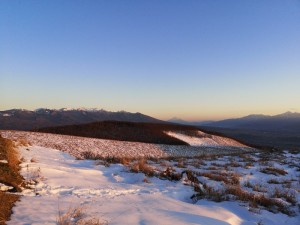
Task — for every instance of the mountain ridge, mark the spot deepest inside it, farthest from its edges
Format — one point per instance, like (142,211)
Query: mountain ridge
(284,121)
(22,119)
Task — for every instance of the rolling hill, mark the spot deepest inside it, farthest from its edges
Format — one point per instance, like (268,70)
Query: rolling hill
(123,131)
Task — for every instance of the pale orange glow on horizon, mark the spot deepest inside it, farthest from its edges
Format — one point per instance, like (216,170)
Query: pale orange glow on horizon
(190,117)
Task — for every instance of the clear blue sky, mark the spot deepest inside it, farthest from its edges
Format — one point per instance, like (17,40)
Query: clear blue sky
(195,60)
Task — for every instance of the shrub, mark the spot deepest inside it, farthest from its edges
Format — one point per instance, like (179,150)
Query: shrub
(142,166)
(258,199)
(21,141)
(227,178)
(287,195)
(76,216)
(273,170)
(90,155)
(274,181)
(71,216)
(259,188)
(180,163)
(170,174)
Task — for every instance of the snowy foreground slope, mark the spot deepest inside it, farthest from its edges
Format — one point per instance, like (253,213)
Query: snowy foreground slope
(111,194)
(117,196)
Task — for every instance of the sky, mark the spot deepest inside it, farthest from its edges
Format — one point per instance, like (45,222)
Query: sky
(195,60)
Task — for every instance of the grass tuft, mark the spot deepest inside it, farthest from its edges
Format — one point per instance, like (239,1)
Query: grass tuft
(273,170)
(76,216)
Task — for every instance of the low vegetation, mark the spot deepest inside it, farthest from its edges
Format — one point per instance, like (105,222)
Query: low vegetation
(221,178)
(273,170)
(259,180)
(77,216)
(7,201)
(9,176)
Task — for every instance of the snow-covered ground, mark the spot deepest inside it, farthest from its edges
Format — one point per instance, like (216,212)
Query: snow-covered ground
(114,195)
(78,146)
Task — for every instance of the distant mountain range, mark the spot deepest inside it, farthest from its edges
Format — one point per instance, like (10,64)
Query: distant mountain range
(279,132)
(20,119)
(265,132)
(193,123)
(283,122)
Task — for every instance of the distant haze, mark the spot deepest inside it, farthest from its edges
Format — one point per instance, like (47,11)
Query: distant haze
(195,60)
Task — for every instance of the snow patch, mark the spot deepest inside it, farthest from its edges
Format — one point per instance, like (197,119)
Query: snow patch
(4,187)
(205,140)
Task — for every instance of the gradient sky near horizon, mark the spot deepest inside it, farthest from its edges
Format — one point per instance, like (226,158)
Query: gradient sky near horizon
(196,60)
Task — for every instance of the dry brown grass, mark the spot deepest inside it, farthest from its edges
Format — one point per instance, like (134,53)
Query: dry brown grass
(7,201)
(273,170)
(246,158)
(233,164)
(76,216)
(287,195)
(125,161)
(11,153)
(170,174)
(233,191)
(197,163)
(259,188)
(90,155)
(213,194)
(270,204)
(274,181)
(142,166)
(146,180)
(9,175)
(180,163)
(22,142)
(226,178)
(212,168)
(248,165)
(71,216)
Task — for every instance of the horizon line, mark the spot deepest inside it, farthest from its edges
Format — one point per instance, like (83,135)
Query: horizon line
(172,118)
